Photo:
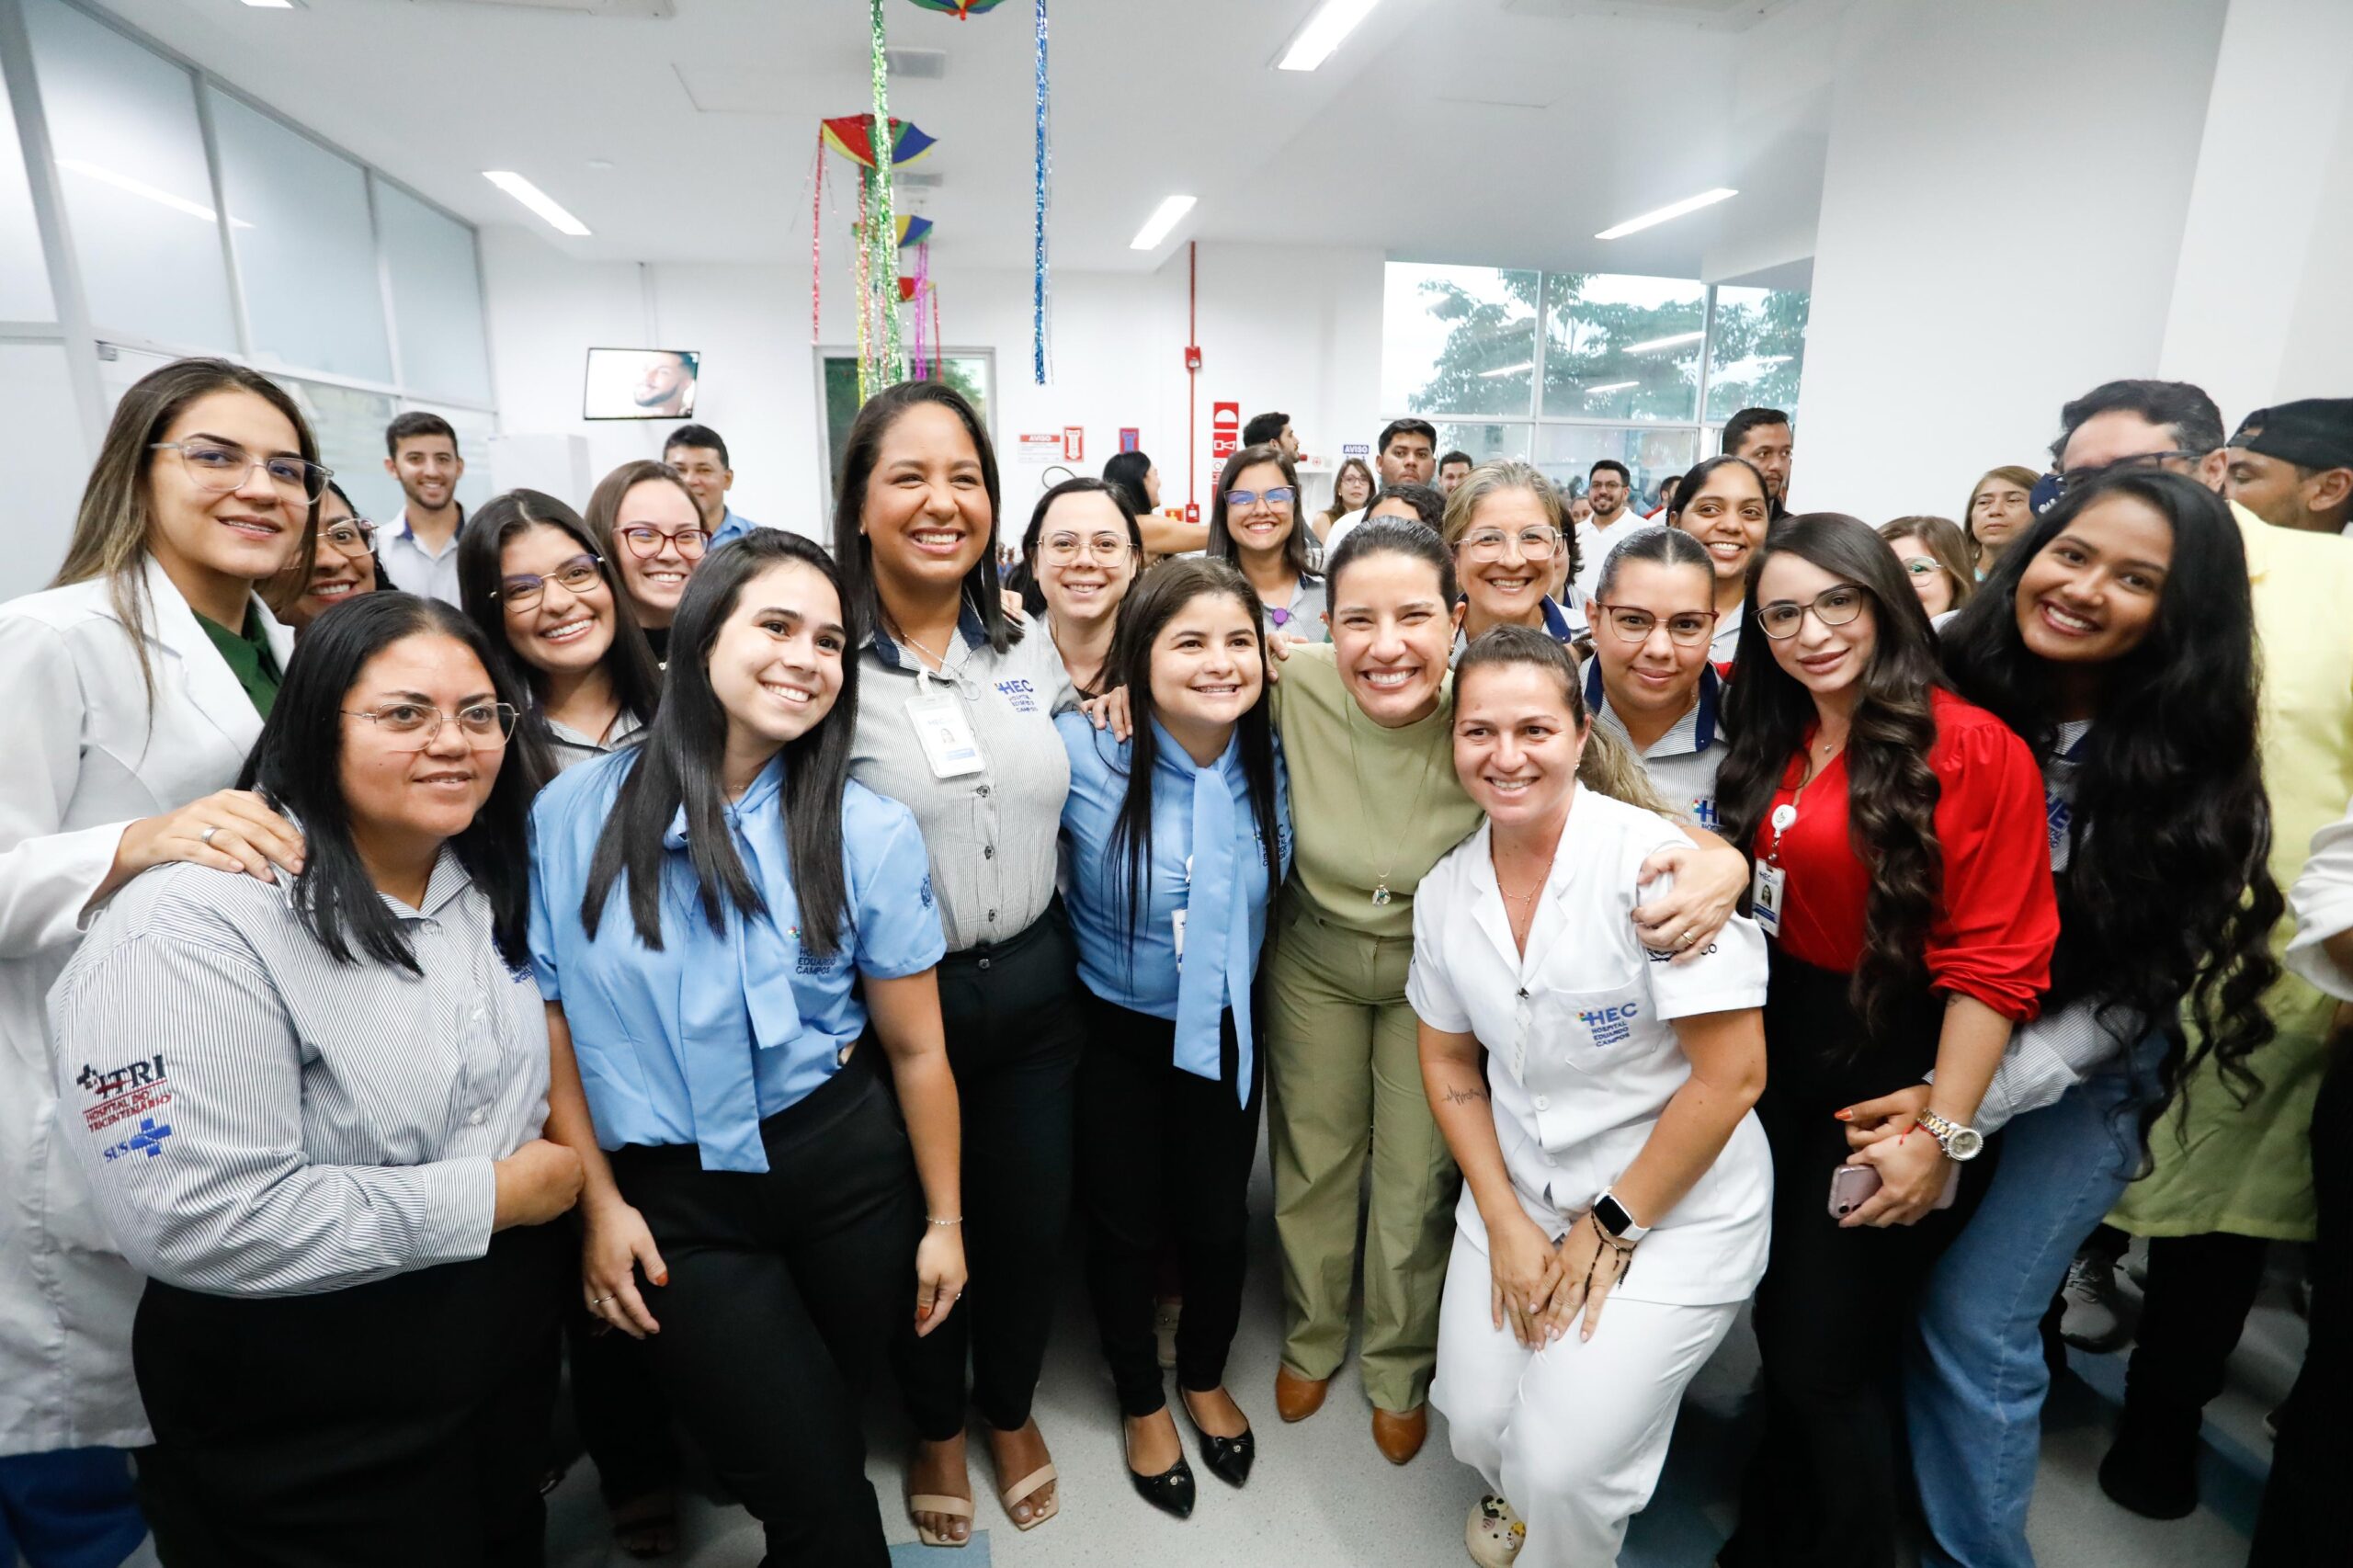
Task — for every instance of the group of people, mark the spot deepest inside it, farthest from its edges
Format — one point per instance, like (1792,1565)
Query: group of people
(640,939)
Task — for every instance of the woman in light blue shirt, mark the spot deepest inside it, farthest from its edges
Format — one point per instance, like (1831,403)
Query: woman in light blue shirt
(720,917)
(1176,838)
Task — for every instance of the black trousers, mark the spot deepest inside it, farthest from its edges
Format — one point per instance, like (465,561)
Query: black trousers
(783,1288)
(2303,1519)
(1829,1483)
(1014,1034)
(1163,1158)
(620,1407)
(384,1425)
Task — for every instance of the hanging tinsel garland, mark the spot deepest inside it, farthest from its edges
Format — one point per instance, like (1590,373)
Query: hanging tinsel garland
(1040,291)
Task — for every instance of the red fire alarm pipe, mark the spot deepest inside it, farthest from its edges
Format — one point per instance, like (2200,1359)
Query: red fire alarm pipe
(1192,374)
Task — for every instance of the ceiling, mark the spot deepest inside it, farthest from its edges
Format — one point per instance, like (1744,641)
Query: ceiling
(1500,131)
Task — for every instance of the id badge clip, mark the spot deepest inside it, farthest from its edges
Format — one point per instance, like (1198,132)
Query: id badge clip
(945,732)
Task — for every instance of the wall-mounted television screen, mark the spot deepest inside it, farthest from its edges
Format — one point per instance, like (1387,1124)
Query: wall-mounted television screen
(640,383)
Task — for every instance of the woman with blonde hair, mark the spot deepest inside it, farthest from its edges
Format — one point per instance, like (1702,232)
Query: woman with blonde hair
(2000,510)
(1936,556)
(137,681)
(1506,526)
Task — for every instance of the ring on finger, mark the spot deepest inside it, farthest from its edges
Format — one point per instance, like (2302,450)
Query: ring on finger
(205,837)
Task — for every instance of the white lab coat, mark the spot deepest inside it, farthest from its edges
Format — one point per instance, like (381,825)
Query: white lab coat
(1582,1051)
(81,759)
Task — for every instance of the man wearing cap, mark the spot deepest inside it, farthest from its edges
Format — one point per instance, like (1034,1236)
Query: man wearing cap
(2292,465)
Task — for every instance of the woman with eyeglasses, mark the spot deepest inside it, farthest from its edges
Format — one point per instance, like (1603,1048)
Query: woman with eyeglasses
(345,566)
(312,1115)
(1649,681)
(1082,553)
(137,683)
(2001,508)
(645,520)
(1507,529)
(1352,488)
(1901,874)
(557,613)
(1722,504)
(1935,554)
(1257,522)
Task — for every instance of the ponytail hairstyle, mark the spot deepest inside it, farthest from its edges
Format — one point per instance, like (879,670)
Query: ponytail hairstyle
(677,766)
(1391,536)
(1892,792)
(1607,766)
(2167,904)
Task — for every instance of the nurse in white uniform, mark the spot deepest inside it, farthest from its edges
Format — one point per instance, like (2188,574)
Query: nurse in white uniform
(1616,1188)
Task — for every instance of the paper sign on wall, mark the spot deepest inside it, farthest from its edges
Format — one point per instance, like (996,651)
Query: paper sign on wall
(1074,443)
(1225,431)
(1131,438)
(1355,450)
(1041,451)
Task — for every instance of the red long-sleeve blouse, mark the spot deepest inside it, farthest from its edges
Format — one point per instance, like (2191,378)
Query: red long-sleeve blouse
(1993,931)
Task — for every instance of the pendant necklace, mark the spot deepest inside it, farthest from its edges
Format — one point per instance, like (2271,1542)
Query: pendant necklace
(1380,893)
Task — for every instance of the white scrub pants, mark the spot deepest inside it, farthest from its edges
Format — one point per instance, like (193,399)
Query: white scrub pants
(1573,1436)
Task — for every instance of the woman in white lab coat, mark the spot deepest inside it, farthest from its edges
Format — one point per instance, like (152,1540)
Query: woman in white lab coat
(134,688)
(1608,1154)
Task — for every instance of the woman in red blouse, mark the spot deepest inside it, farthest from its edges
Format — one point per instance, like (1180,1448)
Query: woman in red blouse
(1899,839)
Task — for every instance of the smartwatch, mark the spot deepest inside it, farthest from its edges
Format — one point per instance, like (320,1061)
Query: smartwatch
(1616,1222)
(1958,1143)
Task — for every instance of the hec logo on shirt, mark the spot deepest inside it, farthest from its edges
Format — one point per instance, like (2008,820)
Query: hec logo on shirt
(1611,1026)
(1704,812)
(122,1093)
(1020,693)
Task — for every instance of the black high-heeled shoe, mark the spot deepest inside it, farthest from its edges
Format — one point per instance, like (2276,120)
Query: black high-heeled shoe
(1172,1491)
(1229,1458)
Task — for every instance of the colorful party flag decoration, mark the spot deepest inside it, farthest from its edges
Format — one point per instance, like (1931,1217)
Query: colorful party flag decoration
(960,10)
(852,135)
(913,230)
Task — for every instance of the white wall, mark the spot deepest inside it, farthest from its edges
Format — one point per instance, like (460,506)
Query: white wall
(1296,328)
(2002,209)
(38,411)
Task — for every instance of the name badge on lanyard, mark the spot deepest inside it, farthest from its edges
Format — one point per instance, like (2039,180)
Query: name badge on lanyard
(1767,887)
(945,731)
(1176,918)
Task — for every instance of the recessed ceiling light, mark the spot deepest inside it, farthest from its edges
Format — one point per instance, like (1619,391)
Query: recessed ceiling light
(1674,210)
(1509,370)
(1654,344)
(537,201)
(1323,33)
(271,4)
(1156,227)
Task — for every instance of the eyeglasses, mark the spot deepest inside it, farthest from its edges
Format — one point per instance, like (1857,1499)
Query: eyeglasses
(645,541)
(1686,628)
(1241,500)
(1832,606)
(1061,549)
(575,576)
(2076,478)
(1535,544)
(485,725)
(220,468)
(1921,566)
(352,536)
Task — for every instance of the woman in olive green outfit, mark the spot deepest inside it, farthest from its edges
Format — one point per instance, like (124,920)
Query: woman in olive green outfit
(1366,725)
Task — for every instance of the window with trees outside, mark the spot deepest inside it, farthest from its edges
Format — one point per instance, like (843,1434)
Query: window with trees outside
(1564,368)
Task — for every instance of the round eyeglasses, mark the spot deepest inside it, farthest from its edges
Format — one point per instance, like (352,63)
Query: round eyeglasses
(485,725)
(221,467)
(1832,606)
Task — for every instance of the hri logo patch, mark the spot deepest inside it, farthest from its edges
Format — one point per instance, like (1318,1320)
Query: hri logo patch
(118,1094)
(1611,1026)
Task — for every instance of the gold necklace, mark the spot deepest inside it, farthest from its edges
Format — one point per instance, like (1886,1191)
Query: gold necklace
(1380,893)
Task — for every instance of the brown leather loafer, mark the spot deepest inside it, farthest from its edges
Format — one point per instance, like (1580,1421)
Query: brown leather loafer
(1297,1398)
(1400,1438)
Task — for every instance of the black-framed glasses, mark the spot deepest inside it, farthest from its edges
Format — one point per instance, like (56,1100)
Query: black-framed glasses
(645,541)
(1535,544)
(485,725)
(578,575)
(1686,628)
(351,536)
(1281,495)
(1832,606)
(2076,478)
(220,468)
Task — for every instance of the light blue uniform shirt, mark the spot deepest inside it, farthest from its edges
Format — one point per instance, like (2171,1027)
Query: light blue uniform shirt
(732,525)
(1142,972)
(700,1041)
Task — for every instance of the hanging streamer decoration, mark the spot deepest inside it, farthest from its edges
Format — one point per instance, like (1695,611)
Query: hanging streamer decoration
(879,363)
(1039,297)
(876,249)
(960,10)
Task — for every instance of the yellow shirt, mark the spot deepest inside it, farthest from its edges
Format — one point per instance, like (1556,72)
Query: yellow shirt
(2248,1170)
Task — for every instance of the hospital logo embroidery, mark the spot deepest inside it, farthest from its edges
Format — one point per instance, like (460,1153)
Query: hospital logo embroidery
(147,1141)
(120,1093)
(1611,1026)
(1020,693)
(925,894)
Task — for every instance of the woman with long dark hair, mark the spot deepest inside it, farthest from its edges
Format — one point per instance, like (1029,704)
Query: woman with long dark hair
(1081,554)
(137,681)
(2118,637)
(345,567)
(728,930)
(328,1136)
(1723,503)
(647,523)
(957,724)
(552,603)
(1353,488)
(1179,838)
(1897,834)
(1258,522)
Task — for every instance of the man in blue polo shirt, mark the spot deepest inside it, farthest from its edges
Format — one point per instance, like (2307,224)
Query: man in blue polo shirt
(700,458)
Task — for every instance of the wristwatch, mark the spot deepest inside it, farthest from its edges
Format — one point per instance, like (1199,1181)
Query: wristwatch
(1958,1143)
(1616,1222)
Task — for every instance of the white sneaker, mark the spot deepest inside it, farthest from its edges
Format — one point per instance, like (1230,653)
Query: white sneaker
(2092,1320)
(1493,1533)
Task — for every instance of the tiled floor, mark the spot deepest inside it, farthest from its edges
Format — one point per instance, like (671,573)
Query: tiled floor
(1321,1496)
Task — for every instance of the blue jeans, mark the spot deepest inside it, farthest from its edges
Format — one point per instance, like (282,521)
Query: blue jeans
(1975,1378)
(72,1508)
